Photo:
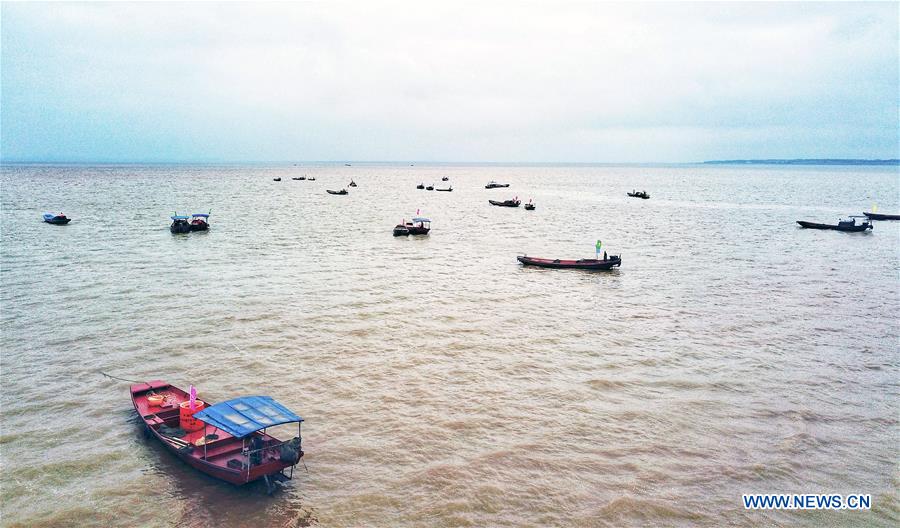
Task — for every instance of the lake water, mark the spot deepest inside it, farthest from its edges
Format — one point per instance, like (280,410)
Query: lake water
(442,383)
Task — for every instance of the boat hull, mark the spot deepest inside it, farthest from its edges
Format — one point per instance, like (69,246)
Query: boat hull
(507,203)
(57,220)
(850,229)
(583,264)
(339,193)
(180,228)
(877,216)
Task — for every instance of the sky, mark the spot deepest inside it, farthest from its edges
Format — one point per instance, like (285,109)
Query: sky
(448,81)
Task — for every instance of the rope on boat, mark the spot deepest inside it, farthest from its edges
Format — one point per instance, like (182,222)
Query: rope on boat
(120,379)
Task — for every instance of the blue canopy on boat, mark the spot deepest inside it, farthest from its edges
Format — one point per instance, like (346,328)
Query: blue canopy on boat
(420,219)
(243,416)
(180,217)
(204,215)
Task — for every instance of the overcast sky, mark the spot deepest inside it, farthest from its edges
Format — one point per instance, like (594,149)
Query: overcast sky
(449,81)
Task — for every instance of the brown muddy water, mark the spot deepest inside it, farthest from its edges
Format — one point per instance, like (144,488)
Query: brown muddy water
(442,383)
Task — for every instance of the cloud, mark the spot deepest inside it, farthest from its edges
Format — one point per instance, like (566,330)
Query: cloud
(451,81)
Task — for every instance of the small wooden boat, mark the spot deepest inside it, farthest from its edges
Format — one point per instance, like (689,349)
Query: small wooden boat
(641,194)
(842,225)
(352,183)
(227,440)
(401,230)
(180,224)
(583,264)
(199,221)
(448,189)
(529,206)
(420,186)
(342,191)
(429,188)
(506,203)
(301,178)
(445,178)
(494,185)
(419,226)
(879,216)
(276,179)
(56,219)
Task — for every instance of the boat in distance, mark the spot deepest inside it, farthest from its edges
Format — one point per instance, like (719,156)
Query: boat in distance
(529,206)
(342,191)
(180,224)
(227,440)
(276,179)
(506,203)
(641,194)
(200,222)
(494,185)
(56,219)
(401,230)
(583,264)
(879,216)
(448,189)
(843,225)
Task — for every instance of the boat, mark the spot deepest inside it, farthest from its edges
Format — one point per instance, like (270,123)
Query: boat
(180,224)
(346,164)
(342,191)
(445,178)
(199,221)
(310,179)
(583,264)
(56,219)
(429,188)
(879,216)
(419,226)
(227,440)
(276,179)
(842,225)
(420,186)
(529,206)
(401,230)
(641,194)
(494,185)
(301,178)
(352,183)
(448,189)
(506,203)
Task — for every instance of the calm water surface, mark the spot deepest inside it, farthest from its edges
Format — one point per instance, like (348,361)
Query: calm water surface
(442,383)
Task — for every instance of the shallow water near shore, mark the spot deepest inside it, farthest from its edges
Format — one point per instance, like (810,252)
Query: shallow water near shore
(442,383)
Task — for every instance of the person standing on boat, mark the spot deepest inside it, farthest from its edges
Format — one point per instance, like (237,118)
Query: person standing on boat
(599,245)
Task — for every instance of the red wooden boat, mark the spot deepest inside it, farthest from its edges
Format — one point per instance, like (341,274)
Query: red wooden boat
(229,440)
(584,264)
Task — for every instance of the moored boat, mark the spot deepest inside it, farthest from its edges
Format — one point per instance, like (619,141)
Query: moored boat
(583,264)
(879,216)
(180,224)
(401,229)
(842,225)
(494,185)
(420,186)
(342,191)
(227,440)
(506,203)
(448,189)
(199,221)
(56,219)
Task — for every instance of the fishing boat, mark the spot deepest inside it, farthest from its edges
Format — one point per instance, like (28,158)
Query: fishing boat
(448,189)
(342,191)
(199,221)
(227,440)
(529,206)
(419,226)
(641,194)
(842,225)
(445,178)
(56,219)
(506,203)
(352,183)
(276,179)
(180,224)
(401,230)
(879,216)
(420,186)
(583,264)
(429,188)
(494,185)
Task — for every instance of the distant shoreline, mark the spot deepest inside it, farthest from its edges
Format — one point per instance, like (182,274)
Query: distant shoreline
(805,162)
